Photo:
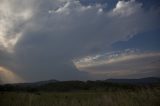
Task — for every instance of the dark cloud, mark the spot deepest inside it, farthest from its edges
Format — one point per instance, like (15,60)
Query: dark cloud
(58,31)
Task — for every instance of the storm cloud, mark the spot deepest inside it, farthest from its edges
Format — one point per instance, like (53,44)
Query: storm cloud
(39,39)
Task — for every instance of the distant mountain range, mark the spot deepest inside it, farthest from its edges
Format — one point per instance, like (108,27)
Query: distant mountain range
(65,86)
(36,84)
(148,80)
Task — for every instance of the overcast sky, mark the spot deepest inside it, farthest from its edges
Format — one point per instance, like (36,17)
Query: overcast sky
(78,39)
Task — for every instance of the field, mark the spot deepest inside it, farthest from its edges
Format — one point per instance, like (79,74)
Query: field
(138,97)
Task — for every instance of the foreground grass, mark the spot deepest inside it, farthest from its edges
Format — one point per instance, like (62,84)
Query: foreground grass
(140,97)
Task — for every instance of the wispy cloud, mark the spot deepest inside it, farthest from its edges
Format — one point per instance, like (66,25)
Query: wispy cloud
(125,63)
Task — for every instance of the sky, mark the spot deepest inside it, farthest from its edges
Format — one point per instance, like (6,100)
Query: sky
(78,39)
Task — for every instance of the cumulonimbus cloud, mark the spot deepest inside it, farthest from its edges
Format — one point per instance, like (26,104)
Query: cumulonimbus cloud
(45,36)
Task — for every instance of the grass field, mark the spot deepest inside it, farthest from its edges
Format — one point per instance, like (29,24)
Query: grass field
(139,97)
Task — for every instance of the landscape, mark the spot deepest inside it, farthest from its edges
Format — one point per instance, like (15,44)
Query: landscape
(111,92)
(79,52)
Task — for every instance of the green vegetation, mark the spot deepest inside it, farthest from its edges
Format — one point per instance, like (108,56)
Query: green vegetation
(122,97)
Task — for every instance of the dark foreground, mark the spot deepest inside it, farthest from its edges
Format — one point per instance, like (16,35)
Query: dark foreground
(139,97)
(79,93)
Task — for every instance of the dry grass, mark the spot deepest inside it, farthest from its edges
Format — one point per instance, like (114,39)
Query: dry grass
(141,97)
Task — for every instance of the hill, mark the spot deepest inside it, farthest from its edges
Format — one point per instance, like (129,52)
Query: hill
(72,86)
